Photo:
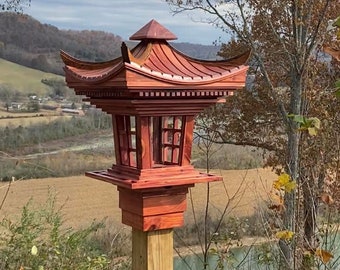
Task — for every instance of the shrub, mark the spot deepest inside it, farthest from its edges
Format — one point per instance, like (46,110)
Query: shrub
(14,139)
(38,241)
(228,157)
(57,165)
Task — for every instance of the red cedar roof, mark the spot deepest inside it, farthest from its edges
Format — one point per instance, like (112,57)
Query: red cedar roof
(153,30)
(155,64)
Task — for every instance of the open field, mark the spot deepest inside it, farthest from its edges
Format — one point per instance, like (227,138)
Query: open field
(5,114)
(24,121)
(23,79)
(15,119)
(86,199)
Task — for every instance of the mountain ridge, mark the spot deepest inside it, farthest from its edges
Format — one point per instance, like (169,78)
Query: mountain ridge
(26,41)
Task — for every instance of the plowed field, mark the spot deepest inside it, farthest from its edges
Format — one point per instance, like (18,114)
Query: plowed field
(85,199)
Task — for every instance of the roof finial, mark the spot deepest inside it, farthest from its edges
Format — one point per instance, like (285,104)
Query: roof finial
(153,30)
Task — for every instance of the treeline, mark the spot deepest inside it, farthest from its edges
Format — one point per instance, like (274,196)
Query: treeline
(198,51)
(26,41)
(13,139)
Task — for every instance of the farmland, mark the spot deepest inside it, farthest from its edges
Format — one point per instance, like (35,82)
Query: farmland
(24,79)
(85,199)
(26,119)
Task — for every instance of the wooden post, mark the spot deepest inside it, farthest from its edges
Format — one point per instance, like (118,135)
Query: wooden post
(152,250)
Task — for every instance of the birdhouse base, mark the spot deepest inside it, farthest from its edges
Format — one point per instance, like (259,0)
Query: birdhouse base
(153,209)
(153,199)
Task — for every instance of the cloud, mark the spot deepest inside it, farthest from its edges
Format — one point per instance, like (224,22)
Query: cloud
(122,18)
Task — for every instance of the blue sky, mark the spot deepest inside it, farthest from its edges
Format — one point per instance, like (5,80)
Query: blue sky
(122,17)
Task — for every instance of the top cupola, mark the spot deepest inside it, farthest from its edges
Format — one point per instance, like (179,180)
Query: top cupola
(153,30)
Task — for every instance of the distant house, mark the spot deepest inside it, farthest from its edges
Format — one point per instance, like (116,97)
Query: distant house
(48,107)
(68,106)
(16,106)
(72,111)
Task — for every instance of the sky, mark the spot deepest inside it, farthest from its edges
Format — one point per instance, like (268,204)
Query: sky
(122,17)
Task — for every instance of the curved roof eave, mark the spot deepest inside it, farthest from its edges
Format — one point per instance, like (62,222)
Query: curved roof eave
(240,59)
(175,79)
(92,77)
(87,65)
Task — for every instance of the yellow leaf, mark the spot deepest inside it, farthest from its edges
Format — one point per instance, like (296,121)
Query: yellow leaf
(284,178)
(315,122)
(324,255)
(277,185)
(290,186)
(34,251)
(284,183)
(284,235)
(312,131)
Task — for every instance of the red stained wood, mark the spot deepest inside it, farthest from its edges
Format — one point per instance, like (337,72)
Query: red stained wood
(143,142)
(151,223)
(153,93)
(116,139)
(187,140)
(154,62)
(155,107)
(153,30)
(147,203)
(156,182)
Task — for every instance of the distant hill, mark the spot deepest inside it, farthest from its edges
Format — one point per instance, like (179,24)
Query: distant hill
(28,42)
(197,50)
(23,79)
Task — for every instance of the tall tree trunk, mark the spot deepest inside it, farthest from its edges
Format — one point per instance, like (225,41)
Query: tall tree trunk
(292,167)
(289,221)
(310,206)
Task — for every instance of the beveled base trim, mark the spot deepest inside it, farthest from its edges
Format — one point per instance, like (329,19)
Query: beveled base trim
(157,181)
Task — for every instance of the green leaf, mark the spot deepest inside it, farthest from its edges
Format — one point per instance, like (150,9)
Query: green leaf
(297,118)
(311,124)
(337,94)
(337,22)
(337,84)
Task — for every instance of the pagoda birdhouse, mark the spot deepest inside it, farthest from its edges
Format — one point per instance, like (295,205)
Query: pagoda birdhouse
(153,93)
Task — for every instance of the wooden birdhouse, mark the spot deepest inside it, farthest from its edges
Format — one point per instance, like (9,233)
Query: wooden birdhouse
(153,93)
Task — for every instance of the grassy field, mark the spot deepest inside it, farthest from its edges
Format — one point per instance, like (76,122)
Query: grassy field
(85,199)
(26,119)
(23,79)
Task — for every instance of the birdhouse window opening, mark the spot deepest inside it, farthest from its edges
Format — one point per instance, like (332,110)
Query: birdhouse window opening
(126,128)
(167,140)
